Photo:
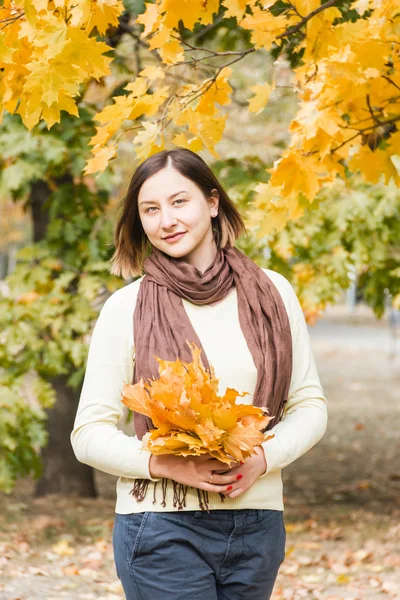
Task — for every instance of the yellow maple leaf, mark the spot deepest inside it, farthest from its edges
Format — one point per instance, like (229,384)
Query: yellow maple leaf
(269,211)
(160,38)
(305,7)
(208,129)
(235,8)
(242,438)
(86,54)
(51,114)
(265,27)
(311,118)
(50,34)
(187,12)
(101,14)
(261,96)
(194,144)
(361,6)
(316,45)
(99,162)
(296,173)
(146,140)
(216,91)
(150,19)
(152,72)
(375,165)
(63,548)
(171,52)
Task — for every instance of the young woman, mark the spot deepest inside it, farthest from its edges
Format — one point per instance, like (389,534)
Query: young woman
(193,527)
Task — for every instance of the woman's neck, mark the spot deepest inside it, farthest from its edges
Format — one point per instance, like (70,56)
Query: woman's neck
(202,256)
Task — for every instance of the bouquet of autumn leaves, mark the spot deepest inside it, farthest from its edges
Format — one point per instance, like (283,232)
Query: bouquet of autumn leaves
(189,416)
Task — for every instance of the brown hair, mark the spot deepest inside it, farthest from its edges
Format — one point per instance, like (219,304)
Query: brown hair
(130,241)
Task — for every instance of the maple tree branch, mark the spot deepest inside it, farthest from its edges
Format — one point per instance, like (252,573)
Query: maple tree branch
(240,53)
(134,35)
(368,129)
(11,20)
(294,8)
(195,93)
(372,113)
(286,33)
(295,28)
(391,81)
(214,79)
(208,27)
(391,100)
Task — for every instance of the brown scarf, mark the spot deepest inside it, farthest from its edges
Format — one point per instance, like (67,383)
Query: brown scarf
(162,326)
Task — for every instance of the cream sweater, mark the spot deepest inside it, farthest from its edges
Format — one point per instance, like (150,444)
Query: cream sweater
(97,441)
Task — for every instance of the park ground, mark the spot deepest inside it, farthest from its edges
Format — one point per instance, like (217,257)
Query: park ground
(341,498)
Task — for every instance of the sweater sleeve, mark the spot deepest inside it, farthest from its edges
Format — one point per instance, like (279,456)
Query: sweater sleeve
(95,438)
(305,417)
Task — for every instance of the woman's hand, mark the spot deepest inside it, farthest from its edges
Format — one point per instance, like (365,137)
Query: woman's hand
(245,475)
(194,471)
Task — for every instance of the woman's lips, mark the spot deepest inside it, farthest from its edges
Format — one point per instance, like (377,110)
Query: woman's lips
(175,238)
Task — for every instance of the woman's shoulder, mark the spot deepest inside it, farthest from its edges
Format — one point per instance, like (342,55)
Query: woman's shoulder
(286,291)
(280,281)
(123,300)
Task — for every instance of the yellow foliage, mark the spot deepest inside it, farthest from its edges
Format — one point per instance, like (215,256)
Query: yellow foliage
(348,85)
(265,27)
(46,57)
(190,417)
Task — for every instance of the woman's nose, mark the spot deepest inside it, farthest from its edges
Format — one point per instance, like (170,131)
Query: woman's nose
(167,219)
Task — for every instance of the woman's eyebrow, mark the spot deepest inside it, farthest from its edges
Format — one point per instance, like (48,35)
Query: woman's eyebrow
(169,198)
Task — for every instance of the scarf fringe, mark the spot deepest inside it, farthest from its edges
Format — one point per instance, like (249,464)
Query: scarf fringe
(141,486)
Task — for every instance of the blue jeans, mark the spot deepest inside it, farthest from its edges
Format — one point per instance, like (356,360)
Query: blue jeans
(193,555)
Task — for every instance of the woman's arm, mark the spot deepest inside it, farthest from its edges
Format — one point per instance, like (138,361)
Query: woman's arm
(305,417)
(95,438)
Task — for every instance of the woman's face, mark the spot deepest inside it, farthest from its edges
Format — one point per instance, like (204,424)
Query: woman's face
(169,203)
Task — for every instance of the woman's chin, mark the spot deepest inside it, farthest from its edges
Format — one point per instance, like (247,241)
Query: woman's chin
(177,250)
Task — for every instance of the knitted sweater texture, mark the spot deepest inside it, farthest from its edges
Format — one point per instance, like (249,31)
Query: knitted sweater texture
(100,439)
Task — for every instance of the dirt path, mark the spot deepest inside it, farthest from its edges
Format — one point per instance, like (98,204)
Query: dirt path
(341,498)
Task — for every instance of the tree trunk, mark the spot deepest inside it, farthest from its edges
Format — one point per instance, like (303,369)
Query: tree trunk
(62,473)
(40,193)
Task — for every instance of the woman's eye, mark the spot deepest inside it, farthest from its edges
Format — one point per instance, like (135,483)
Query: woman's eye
(178,200)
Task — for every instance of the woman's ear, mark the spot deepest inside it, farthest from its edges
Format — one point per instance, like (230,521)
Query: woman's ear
(215,194)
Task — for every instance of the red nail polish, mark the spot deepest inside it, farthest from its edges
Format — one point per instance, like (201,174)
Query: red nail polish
(241,462)
(229,487)
(239,476)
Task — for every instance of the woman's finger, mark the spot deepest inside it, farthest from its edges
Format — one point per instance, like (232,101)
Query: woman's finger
(234,470)
(217,465)
(217,488)
(225,479)
(234,493)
